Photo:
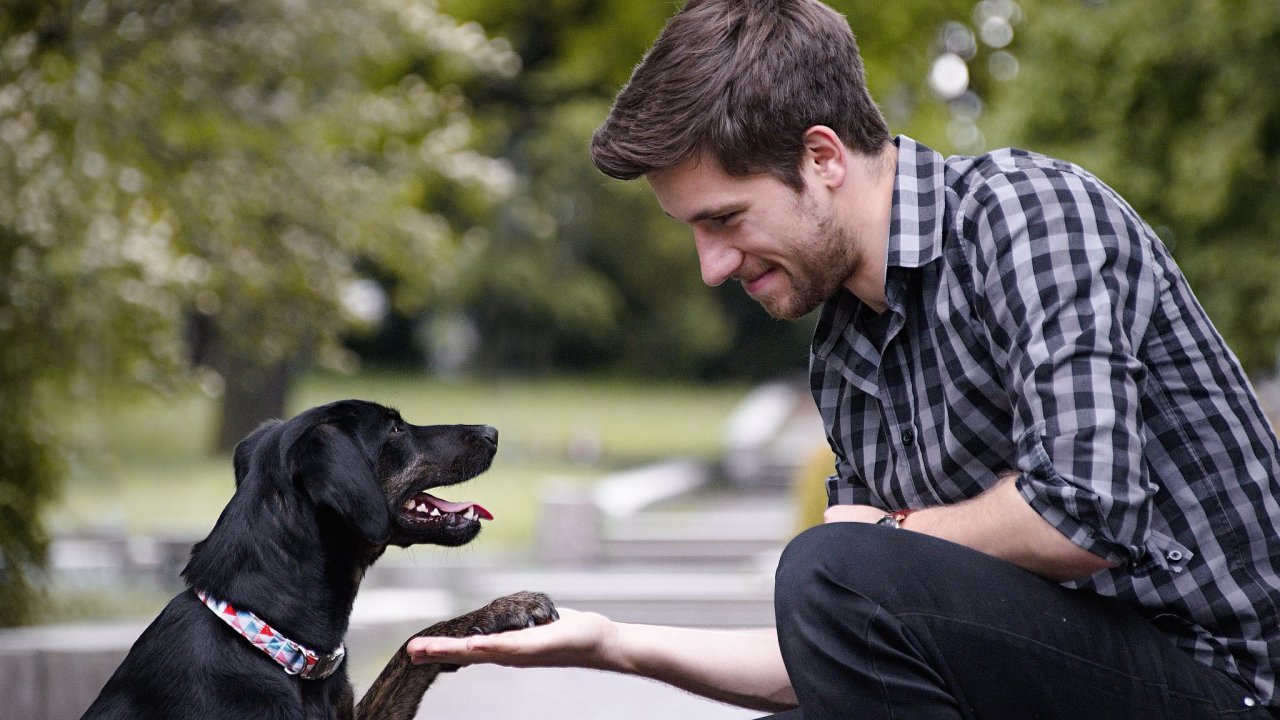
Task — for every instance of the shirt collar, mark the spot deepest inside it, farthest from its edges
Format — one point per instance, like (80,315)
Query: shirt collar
(919,201)
(915,238)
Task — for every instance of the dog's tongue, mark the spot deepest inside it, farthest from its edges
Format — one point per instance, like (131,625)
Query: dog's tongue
(456,507)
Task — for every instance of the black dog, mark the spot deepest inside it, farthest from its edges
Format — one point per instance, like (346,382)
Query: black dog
(317,501)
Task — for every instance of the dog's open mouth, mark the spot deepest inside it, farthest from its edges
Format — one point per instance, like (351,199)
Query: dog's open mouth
(424,508)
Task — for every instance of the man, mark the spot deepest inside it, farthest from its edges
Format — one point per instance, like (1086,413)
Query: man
(1056,494)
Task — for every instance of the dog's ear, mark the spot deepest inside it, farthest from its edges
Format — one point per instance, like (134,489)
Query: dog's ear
(335,473)
(242,459)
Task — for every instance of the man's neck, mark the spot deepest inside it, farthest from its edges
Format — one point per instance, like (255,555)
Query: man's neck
(869,211)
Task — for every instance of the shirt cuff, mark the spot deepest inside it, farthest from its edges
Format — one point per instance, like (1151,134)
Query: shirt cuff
(1051,497)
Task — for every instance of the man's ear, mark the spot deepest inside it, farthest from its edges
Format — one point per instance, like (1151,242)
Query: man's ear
(826,159)
(335,473)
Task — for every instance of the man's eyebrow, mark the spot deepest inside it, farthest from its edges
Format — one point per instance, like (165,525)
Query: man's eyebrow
(718,211)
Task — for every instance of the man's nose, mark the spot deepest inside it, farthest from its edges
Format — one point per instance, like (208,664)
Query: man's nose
(717,259)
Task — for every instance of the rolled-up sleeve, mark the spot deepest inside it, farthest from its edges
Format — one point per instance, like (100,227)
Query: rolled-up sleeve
(1066,287)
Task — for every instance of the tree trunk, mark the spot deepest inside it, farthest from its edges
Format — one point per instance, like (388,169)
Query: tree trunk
(254,393)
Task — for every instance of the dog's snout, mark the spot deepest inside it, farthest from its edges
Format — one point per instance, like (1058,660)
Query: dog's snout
(488,434)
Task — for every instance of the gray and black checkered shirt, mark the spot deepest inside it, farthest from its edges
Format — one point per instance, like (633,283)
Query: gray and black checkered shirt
(1036,323)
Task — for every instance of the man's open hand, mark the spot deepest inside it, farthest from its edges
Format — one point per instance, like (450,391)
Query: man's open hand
(577,639)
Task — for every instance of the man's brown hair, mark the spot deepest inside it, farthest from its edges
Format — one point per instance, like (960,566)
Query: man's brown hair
(740,80)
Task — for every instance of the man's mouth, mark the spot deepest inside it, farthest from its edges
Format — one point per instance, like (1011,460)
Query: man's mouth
(757,283)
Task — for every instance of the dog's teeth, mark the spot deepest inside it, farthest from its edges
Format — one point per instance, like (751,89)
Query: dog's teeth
(435,512)
(470,514)
(423,508)
(408,504)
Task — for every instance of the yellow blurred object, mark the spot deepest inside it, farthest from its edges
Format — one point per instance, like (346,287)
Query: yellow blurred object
(809,487)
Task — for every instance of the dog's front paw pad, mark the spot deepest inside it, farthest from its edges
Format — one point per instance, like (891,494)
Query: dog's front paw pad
(514,612)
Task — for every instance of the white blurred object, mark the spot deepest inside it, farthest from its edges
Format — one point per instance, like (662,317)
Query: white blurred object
(771,432)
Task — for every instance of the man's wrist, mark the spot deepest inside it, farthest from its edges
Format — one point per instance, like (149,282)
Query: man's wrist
(896,518)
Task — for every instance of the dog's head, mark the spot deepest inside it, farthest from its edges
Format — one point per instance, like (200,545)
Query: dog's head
(361,462)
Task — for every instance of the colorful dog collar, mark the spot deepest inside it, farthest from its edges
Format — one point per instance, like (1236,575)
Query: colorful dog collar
(295,659)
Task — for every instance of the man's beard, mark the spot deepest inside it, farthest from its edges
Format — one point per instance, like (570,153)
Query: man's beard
(822,262)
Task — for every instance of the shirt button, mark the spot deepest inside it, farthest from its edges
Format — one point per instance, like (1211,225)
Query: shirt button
(908,436)
(1174,555)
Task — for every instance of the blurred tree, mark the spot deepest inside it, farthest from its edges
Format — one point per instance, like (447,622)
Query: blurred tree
(904,47)
(581,273)
(1174,103)
(217,169)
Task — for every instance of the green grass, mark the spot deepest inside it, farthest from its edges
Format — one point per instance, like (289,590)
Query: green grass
(144,467)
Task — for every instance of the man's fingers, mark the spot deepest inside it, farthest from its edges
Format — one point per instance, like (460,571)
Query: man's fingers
(437,649)
(476,648)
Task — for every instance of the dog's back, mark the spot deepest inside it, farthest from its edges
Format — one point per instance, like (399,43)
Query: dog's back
(151,680)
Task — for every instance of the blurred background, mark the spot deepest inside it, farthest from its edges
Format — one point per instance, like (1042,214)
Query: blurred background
(215,212)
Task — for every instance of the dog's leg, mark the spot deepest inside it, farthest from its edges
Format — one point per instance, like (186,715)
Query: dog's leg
(398,689)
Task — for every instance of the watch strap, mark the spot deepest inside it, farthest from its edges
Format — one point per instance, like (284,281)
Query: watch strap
(896,518)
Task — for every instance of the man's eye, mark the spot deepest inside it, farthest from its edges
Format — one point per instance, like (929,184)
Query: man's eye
(722,220)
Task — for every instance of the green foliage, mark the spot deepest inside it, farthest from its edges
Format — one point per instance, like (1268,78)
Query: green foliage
(581,272)
(235,162)
(899,42)
(1174,103)
(28,462)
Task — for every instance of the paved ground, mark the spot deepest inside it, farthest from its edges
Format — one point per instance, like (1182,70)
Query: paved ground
(496,693)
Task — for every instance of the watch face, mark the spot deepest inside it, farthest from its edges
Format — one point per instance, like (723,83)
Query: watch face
(888,521)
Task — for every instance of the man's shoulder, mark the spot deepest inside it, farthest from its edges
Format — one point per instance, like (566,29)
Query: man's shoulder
(1000,174)
(1011,170)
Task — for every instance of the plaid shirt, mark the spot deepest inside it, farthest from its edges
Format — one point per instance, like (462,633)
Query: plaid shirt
(1036,323)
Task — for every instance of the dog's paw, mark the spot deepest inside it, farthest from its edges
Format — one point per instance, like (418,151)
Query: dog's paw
(512,612)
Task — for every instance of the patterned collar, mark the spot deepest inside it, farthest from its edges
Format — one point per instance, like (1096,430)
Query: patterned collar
(295,659)
(919,205)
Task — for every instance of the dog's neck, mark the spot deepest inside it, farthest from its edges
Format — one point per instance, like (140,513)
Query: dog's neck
(300,576)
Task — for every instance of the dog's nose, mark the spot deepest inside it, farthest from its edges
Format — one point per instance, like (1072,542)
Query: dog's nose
(489,434)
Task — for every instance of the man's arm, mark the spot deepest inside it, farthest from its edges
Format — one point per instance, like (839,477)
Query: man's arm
(740,667)
(998,522)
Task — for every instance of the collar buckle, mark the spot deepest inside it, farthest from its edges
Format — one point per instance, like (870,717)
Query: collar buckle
(320,667)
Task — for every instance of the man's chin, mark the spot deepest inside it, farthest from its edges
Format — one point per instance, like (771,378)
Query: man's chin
(787,308)
(792,302)
(784,314)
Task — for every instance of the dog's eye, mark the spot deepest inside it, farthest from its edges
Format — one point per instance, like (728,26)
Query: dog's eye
(396,429)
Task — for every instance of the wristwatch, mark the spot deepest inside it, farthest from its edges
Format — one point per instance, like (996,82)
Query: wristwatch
(895,518)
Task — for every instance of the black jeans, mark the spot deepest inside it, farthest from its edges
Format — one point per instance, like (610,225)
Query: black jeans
(882,623)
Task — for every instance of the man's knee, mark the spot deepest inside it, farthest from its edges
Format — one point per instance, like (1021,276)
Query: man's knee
(836,558)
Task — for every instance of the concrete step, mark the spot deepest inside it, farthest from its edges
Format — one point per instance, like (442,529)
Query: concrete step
(500,693)
(702,539)
(671,511)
